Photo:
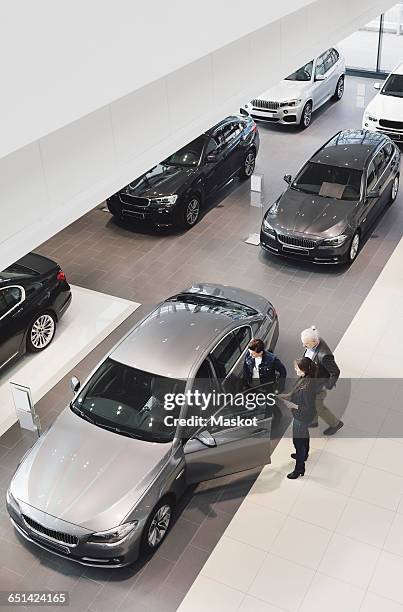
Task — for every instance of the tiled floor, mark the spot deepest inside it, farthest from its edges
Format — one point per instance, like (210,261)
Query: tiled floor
(333,540)
(146,267)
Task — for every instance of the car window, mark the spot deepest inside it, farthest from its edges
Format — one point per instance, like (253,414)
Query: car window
(244,336)
(336,55)
(372,177)
(336,182)
(189,155)
(212,146)
(393,86)
(389,150)
(328,60)
(130,402)
(380,161)
(319,68)
(302,74)
(226,354)
(230,132)
(9,297)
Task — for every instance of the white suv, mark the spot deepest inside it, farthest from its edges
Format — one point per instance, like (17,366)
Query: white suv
(294,99)
(385,111)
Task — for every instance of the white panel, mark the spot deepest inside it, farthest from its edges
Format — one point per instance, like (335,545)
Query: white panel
(230,65)
(23,196)
(140,120)
(265,53)
(190,92)
(78,156)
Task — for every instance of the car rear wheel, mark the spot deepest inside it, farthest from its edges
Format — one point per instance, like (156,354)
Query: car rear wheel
(157,525)
(306,116)
(354,247)
(190,213)
(41,332)
(339,91)
(395,189)
(248,165)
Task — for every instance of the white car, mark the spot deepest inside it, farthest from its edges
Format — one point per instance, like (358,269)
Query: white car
(385,111)
(294,99)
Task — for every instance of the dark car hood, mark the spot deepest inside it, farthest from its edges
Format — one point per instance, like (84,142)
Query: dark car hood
(86,475)
(311,214)
(160,181)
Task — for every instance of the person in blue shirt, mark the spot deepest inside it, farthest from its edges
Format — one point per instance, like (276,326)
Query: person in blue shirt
(261,367)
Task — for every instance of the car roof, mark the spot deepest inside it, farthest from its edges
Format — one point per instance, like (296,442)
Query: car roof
(227,120)
(350,148)
(175,336)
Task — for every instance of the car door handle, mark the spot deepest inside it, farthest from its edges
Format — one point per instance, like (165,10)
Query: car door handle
(17,312)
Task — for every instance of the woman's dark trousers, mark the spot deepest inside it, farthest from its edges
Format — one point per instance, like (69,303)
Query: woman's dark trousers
(300,434)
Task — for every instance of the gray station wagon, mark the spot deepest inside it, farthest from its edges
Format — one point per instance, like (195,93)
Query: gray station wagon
(100,485)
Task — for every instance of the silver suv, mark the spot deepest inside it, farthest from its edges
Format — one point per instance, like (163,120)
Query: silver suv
(101,483)
(294,99)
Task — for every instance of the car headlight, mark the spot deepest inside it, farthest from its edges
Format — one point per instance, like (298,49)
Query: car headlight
(11,501)
(165,201)
(267,228)
(294,102)
(336,241)
(116,534)
(369,117)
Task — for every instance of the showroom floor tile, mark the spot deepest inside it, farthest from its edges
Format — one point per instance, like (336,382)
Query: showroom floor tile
(145,267)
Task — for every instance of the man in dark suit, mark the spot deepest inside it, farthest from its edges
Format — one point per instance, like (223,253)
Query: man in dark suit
(328,374)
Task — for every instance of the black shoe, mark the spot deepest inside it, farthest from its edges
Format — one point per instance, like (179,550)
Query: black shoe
(315,424)
(294,456)
(294,475)
(330,431)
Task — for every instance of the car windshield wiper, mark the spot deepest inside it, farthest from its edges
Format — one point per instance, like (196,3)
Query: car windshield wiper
(117,430)
(81,413)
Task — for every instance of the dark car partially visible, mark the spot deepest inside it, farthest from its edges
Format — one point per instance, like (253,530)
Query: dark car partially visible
(34,294)
(334,200)
(174,191)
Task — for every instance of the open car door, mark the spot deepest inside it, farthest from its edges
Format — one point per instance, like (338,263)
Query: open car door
(235,438)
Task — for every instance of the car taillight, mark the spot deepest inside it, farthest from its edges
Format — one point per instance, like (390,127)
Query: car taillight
(61,276)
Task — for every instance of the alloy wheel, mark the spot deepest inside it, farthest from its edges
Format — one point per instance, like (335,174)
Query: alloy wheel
(192,211)
(340,88)
(395,188)
(42,331)
(159,526)
(355,245)
(307,115)
(249,164)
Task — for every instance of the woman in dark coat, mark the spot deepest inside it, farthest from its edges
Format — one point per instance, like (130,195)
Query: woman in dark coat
(303,395)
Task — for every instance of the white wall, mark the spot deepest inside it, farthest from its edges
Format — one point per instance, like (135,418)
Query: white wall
(48,183)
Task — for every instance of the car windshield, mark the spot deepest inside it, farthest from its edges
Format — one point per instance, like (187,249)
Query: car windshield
(393,86)
(329,181)
(189,155)
(130,402)
(302,74)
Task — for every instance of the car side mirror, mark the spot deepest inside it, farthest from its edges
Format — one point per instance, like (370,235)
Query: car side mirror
(211,158)
(206,438)
(288,178)
(244,112)
(74,384)
(320,77)
(377,85)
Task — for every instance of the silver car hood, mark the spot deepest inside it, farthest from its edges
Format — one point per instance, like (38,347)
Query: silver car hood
(285,90)
(86,475)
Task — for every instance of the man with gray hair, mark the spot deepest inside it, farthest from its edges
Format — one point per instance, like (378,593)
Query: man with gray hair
(318,351)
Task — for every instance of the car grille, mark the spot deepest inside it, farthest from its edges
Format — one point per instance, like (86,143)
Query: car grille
(129,200)
(64,538)
(265,104)
(395,125)
(303,243)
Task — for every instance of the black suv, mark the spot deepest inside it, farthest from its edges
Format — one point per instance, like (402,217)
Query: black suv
(34,293)
(173,192)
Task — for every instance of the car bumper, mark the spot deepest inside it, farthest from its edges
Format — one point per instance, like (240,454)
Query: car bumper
(91,554)
(317,255)
(395,135)
(151,214)
(287,116)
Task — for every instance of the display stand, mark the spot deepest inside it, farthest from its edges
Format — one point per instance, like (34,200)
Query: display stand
(24,408)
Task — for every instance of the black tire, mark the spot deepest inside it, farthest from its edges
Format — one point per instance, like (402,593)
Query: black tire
(190,212)
(248,166)
(41,332)
(149,530)
(339,91)
(306,116)
(395,189)
(354,248)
